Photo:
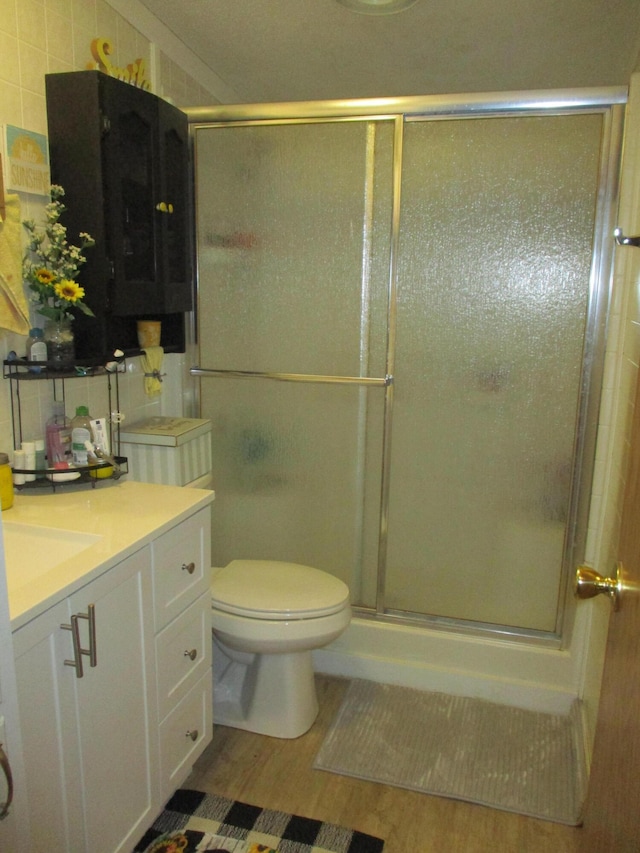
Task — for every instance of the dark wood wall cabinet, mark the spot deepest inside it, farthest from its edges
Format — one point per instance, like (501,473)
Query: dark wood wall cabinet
(122,156)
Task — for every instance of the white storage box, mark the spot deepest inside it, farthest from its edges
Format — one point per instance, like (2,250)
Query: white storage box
(173,451)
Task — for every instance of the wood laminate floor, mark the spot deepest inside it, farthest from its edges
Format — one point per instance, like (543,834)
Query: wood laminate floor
(278,774)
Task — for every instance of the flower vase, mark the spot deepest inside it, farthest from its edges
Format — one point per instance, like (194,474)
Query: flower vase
(61,350)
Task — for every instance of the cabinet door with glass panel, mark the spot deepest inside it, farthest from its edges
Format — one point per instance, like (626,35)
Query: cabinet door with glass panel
(145,186)
(121,155)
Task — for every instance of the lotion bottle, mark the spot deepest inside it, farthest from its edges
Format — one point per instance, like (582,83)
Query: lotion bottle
(80,433)
(36,348)
(58,436)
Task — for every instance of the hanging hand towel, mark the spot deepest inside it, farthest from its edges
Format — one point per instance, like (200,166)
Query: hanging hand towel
(14,308)
(151,364)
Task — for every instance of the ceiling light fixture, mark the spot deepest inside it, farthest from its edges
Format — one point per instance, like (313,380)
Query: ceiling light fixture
(377,7)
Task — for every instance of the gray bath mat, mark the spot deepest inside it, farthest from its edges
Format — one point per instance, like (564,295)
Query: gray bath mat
(468,749)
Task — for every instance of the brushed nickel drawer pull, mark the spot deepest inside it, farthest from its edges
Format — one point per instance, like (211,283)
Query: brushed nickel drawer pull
(193,735)
(76,663)
(192,655)
(189,567)
(78,651)
(90,615)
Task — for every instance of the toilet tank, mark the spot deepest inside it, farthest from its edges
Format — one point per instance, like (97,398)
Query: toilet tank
(173,451)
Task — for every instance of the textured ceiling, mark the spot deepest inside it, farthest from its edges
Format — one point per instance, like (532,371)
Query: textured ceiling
(289,50)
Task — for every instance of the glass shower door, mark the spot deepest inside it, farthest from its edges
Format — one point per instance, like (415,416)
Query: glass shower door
(293,254)
(496,235)
(446,494)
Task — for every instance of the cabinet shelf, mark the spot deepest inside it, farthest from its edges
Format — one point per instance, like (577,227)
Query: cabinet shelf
(18,371)
(52,478)
(23,370)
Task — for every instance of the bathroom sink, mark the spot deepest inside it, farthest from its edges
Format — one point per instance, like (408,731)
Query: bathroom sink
(32,551)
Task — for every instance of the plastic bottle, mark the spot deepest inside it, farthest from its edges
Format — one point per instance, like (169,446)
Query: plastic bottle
(40,463)
(80,432)
(18,463)
(36,348)
(29,449)
(6,483)
(58,436)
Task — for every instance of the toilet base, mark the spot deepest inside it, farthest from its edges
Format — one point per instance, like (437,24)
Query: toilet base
(270,694)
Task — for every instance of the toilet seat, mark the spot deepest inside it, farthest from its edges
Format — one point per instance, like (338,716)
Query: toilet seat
(269,589)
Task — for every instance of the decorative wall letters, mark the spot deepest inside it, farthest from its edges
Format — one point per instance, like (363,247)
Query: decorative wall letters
(134,73)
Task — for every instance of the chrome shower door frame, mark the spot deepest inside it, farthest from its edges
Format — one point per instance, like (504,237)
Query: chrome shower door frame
(607,101)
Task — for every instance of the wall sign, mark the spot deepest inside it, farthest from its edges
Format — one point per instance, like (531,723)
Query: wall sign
(134,73)
(26,161)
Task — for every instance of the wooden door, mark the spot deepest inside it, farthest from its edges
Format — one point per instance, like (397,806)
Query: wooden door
(612,815)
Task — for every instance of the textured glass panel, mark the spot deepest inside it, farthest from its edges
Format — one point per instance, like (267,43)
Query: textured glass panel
(288,468)
(496,239)
(284,242)
(293,255)
(495,250)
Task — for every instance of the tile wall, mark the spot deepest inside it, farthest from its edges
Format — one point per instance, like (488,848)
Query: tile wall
(47,36)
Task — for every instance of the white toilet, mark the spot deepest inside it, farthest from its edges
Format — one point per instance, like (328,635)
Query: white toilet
(268,616)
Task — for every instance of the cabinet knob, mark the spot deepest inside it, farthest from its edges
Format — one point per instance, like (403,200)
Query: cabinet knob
(164,207)
(189,567)
(193,734)
(192,655)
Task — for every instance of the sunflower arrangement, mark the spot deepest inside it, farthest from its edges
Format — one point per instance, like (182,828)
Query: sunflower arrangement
(51,264)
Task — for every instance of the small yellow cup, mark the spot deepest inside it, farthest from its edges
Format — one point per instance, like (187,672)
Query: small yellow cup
(149,333)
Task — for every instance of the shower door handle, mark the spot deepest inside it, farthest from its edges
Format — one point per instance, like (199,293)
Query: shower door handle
(588,583)
(382,381)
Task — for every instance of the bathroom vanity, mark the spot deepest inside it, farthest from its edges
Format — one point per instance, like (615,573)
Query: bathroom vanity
(110,612)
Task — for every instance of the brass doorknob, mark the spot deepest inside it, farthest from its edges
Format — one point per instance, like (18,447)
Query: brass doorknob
(588,583)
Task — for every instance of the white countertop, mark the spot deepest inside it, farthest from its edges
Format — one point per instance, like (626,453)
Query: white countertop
(124,515)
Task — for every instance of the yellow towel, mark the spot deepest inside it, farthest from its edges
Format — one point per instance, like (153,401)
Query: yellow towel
(14,308)
(151,364)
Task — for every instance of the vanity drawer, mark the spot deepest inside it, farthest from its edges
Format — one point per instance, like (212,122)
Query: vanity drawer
(183,653)
(181,567)
(185,733)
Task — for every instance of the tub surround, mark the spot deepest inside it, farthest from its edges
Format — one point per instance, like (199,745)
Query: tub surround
(121,516)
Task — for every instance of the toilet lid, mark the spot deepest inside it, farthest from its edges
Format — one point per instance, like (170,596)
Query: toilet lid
(269,589)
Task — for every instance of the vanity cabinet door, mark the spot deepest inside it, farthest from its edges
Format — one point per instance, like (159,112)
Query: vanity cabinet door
(46,700)
(91,742)
(117,721)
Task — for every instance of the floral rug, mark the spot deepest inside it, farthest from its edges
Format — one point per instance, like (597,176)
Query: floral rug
(193,822)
